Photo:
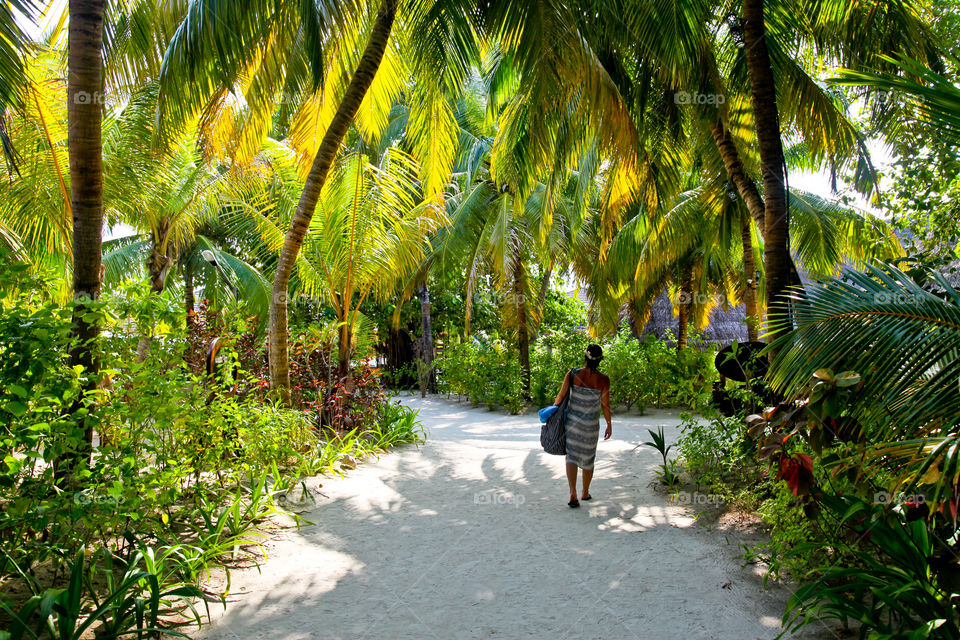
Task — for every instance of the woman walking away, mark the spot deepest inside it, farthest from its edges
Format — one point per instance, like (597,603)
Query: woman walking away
(589,393)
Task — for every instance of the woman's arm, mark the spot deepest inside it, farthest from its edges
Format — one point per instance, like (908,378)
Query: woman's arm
(605,404)
(563,389)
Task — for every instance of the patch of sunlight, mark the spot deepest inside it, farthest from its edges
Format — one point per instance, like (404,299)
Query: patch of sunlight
(770,621)
(644,518)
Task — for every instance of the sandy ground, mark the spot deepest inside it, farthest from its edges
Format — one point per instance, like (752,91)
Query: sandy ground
(469,536)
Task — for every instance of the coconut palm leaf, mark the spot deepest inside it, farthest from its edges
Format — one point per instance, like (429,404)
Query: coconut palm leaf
(124,258)
(13,44)
(935,94)
(903,339)
(825,235)
(252,289)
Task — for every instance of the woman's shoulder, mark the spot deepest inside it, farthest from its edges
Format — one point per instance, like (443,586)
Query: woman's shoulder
(604,379)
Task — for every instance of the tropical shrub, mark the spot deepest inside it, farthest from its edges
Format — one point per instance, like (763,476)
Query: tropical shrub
(715,451)
(642,372)
(554,354)
(179,456)
(865,442)
(894,585)
(484,370)
(626,362)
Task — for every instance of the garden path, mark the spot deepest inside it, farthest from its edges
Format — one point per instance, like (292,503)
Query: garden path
(469,536)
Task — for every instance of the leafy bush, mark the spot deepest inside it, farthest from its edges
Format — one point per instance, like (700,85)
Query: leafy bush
(485,371)
(627,363)
(562,312)
(890,585)
(179,457)
(554,354)
(714,450)
(642,372)
(150,586)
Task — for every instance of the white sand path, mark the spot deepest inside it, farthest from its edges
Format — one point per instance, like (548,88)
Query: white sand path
(469,536)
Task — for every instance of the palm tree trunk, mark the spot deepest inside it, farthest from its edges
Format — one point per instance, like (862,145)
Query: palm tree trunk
(427,340)
(544,288)
(750,279)
(158,264)
(776,230)
(189,302)
(523,336)
(685,301)
(737,173)
(639,315)
(84,116)
(343,351)
(342,119)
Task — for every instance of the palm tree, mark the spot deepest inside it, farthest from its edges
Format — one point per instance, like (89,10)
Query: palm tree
(697,245)
(84,117)
(701,54)
(342,119)
(838,34)
(310,52)
(368,238)
(763,92)
(493,231)
(934,93)
(35,210)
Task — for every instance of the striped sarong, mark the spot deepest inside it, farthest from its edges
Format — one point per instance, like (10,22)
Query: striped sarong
(583,426)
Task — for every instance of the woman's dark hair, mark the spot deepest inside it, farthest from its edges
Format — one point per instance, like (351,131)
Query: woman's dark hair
(594,356)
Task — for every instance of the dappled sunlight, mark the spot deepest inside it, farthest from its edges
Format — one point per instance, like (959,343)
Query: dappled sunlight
(460,539)
(634,519)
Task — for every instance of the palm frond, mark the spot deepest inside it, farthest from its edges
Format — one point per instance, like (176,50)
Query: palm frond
(903,339)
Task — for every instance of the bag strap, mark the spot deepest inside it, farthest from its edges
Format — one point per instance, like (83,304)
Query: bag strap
(573,374)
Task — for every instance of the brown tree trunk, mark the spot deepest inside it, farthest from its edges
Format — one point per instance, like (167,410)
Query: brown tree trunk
(158,265)
(84,117)
(738,175)
(342,119)
(750,279)
(523,336)
(638,317)
(426,327)
(343,350)
(776,234)
(684,302)
(189,302)
(544,289)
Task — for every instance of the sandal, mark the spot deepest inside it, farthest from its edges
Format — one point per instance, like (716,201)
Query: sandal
(587,497)
(573,504)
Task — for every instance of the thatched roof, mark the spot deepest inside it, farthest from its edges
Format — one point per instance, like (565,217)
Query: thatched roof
(725,325)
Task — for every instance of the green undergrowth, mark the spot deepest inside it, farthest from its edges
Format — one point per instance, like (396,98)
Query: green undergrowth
(187,477)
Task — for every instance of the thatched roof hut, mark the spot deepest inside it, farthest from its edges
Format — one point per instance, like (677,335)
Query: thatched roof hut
(725,325)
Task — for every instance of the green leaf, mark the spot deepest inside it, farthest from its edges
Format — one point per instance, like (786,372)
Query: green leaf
(17,390)
(848,379)
(18,409)
(824,374)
